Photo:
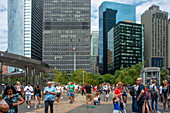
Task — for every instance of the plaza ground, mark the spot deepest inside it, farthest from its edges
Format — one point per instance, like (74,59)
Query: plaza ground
(79,106)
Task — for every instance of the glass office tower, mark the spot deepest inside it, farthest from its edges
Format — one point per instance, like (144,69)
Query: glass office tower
(110,13)
(25,27)
(67,26)
(128,44)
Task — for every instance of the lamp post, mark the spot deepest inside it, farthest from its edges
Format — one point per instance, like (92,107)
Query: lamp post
(74,49)
(83,77)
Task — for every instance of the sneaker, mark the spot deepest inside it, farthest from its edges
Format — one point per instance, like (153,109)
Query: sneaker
(39,106)
(28,107)
(87,106)
(93,107)
(71,102)
(35,107)
(158,112)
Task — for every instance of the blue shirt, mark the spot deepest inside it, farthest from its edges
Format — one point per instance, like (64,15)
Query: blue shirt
(49,96)
(140,88)
(116,106)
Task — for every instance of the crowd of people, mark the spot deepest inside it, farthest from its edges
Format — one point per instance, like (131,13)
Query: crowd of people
(144,97)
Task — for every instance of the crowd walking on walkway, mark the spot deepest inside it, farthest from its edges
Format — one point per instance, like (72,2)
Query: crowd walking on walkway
(145,98)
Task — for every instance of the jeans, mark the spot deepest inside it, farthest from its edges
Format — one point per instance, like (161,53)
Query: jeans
(156,104)
(140,105)
(120,100)
(47,103)
(134,104)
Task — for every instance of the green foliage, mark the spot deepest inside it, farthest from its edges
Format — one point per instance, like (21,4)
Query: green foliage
(125,75)
(164,74)
(61,77)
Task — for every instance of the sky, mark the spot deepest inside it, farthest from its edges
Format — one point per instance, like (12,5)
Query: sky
(141,7)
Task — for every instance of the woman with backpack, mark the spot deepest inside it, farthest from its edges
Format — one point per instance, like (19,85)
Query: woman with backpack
(166,93)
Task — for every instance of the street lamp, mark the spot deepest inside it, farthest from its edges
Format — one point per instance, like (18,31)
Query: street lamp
(83,77)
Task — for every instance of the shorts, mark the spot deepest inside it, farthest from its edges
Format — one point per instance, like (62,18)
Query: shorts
(27,97)
(37,95)
(58,95)
(89,96)
(71,94)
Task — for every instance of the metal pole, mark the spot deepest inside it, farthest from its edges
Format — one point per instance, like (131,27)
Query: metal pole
(83,77)
(74,60)
(0,77)
(26,75)
(33,77)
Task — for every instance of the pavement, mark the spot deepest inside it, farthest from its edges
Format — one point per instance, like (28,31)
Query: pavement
(79,106)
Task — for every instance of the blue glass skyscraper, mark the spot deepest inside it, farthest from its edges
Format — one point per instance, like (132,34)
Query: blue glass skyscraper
(110,13)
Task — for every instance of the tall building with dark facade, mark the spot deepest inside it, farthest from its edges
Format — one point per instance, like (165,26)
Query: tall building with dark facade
(67,25)
(128,44)
(25,23)
(156,37)
(110,13)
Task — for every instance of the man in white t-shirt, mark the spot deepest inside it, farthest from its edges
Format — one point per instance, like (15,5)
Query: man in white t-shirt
(28,90)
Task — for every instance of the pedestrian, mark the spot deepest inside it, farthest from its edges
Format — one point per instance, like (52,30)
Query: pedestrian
(71,91)
(18,88)
(161,93)
(134,88)
(88,90)
(28,91)
(4,108)
(37,95)
(140,95)
(82,90)
(123,104)
(146,104)
(62,91)
(118,91)
(96,98)
(116,104)
(166,94)
(105,88)
(49,93)
(154,96)
(58,90)
(12,98)
(124,93)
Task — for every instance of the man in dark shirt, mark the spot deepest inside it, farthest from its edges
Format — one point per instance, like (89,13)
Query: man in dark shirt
(88,92)
(140,95)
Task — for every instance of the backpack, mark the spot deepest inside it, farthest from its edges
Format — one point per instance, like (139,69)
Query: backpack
(147,95)
(154,94)
(132,91)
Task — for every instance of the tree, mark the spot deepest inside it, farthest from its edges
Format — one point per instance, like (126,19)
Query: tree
(61,77)
(164,74)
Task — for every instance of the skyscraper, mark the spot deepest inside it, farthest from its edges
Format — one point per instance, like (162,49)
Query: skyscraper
(156,37)
(25,20)
(128,44)
(67,26)
(110,13)
(169,43)
(94,51)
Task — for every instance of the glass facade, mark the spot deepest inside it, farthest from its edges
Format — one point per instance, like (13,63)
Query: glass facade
(25,23)
(94,51)
(67,25)
(128,44)
(16,26)
(110,13)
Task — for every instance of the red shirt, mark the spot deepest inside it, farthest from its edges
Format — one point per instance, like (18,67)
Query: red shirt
(146,90)
(118,91)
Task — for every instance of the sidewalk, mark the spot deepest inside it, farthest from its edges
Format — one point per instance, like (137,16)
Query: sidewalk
(64,106)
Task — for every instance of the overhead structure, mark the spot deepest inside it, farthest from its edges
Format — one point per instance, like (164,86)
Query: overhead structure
(30,66)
